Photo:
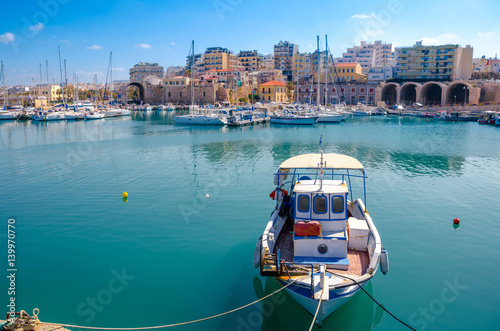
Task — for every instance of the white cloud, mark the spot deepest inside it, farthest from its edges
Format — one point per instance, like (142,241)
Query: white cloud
(95,47)
(173,43)
(90,73)
(486,34)
(429,41)
(364,16)
(118,69)
(37,27)
(7,38)
(145,46)
(65,41)
(445,38)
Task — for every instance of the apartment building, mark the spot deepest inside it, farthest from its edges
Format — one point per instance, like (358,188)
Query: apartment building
(143,69)
(441,63)
(283,57)
(249,60)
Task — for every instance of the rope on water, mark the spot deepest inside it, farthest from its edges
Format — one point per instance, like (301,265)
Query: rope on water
(361,287)
(317,310)
(177,324)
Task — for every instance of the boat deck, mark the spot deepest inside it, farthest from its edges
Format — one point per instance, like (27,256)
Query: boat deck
(358,260)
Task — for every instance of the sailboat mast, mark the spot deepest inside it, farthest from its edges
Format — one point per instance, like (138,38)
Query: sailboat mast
(111,75)
(192,74)
(40,90)
(297,93)
(60,70)
(65,86)
(327,72)
(318,102)
(4,89)
(48,87)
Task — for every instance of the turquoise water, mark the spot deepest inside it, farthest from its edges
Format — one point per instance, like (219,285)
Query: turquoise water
(169,254)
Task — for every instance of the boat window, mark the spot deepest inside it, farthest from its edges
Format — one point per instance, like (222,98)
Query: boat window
(303,205)
(338,204)
(319,204)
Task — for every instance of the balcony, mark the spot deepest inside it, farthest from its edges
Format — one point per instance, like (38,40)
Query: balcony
(404,61)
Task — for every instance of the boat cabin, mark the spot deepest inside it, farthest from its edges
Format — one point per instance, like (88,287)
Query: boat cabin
(320,222)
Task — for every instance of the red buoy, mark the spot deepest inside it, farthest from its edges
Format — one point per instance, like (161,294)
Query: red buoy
(456,220)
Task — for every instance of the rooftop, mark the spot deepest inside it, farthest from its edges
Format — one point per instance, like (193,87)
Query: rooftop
(273,83)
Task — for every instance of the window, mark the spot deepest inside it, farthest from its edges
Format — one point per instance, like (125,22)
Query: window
(362,90)
(303,204)
(338,204)
(334,90)
(320,204)
(371,89)
(353,90)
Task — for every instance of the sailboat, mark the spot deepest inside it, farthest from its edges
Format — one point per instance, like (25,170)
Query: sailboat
(324,114)
(320,243)
(95,114)
(4,113)
(206,118)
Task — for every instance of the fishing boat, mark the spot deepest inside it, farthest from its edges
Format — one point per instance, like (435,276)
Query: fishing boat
(240,119)
(488,118)
(497,121)
(320,243)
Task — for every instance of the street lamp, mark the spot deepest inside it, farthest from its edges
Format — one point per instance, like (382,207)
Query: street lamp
(466,89)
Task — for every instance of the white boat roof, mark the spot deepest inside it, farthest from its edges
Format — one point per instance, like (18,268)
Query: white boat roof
(329,186)
(331,161)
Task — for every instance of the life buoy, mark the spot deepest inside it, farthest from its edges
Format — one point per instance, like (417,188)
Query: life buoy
(273,194)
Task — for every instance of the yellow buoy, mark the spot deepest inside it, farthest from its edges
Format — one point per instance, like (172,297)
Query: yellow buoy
(125,194)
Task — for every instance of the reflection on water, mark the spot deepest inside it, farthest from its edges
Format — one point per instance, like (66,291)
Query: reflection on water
(282,312)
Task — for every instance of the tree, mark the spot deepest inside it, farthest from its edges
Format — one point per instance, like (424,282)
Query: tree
(243,99)
(254,97)
(289,91)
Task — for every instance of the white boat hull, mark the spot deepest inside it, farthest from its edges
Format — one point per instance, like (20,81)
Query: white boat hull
(198,120)
(94,116)
(340,297)
(49,117)
(329,119)
(361,113)
(293,120)
(8,116)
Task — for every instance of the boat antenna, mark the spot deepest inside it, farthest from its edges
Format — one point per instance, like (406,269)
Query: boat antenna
(321,164)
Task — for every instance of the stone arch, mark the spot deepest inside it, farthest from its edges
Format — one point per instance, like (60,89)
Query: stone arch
(458,93)
(141,91)
(409,93)
(431,93)
(390,93)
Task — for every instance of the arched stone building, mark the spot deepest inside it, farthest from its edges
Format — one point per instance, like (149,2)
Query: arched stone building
(430,93)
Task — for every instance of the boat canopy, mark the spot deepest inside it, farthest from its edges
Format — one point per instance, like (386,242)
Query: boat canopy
(312,161)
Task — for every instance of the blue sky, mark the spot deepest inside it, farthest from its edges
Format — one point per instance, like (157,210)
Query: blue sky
(161,31)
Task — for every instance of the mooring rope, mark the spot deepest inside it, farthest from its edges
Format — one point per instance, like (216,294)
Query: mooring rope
(317,310)
(177,324)
(361,287)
